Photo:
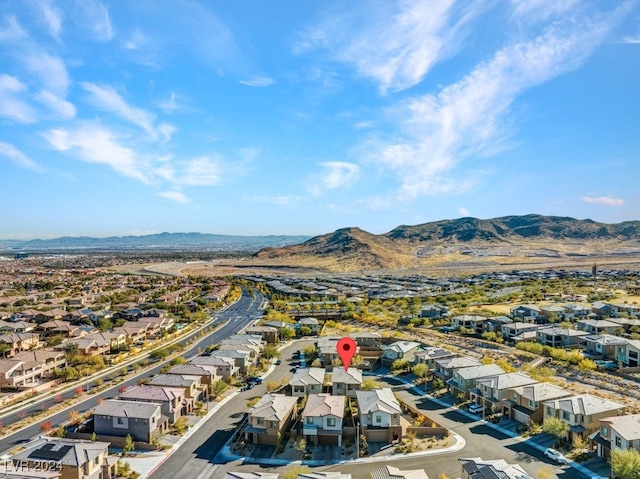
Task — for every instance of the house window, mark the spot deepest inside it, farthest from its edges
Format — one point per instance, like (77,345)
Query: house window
(565,415)
(274,425)
(604,431)
(120,421)
(532,403)
(260,422)
(309,420)
(378,419)
(550,411)
(618,441)
(331,422)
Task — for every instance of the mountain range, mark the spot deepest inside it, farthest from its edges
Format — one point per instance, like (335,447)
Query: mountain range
(504,240)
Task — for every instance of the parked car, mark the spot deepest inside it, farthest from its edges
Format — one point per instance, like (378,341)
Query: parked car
(254,380)
(476,408)
(555,455)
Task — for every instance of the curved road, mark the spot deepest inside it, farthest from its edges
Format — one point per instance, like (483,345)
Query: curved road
(236,316)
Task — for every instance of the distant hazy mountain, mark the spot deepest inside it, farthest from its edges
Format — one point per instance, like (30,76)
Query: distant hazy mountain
(509,236)
(159,241)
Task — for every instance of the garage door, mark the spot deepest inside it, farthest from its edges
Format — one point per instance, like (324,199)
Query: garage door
(328,440)
(521,417)
(377,435)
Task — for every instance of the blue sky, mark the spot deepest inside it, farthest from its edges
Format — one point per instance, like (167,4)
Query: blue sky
(245,117)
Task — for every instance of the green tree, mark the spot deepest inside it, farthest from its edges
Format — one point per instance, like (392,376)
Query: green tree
(128,445)
(270,351)
(556,427)
(421,370)
(218,388)
(368,384)
(400,365)
(292,472)
(4,349)
(625,463)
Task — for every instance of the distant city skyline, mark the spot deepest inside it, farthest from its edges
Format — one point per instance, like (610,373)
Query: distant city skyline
(299,118)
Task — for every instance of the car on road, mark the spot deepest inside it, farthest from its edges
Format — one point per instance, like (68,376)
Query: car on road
(254,380)
(476,408)
(555,455)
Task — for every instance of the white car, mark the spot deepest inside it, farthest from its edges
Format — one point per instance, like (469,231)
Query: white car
(475,408)
(555,455)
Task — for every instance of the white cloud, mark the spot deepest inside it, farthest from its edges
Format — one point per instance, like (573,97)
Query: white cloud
(397,43)
(94,144)
(534,10)
(463,211)
(94,17)
(108,99)
(466,119)
(11,106)
(258,81)
(336,174)
(603,200)
(50,70)
(11,152)
(201,171)
(177,196)
(136,41)
(62,108)
(12,31)
(52,17)
(166,130)
(170,104)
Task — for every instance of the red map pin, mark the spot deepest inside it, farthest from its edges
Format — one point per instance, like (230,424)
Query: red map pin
(346,350)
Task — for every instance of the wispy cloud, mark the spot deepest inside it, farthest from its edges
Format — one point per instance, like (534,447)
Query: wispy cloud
(335,174)
(61,108)
(136,41)
(177,196)
(397,44)
(203,171)
(11,105)
(258,81)
(536,10)
(94,144)
(603,200)
(11,31)
(463,211)
(19,158)
(52,17)
(95,17)
(466,119)
(170,103)
(108,99)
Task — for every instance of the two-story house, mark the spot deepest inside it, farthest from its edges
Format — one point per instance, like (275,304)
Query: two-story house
(510,331)
(491,391)
(322,419)
(602,346)
(270,418)
(207,374)
(524,403)
(468,321)
(399,350)
(558,337)
(312,323)
(629,353)
(193,387)
(17,342)
(346,383)
(225,367)
(142,420)
(617,433)
(307,381)
(16,373)
(267,333)
(464,380)
(526,312)
(582,412)
(77,459)
(173,402)
(49,359)
(444,368)
(430,355)
(597,326)
(380,415)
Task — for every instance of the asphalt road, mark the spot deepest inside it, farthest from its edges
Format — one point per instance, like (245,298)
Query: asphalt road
(236,316)
(196,456)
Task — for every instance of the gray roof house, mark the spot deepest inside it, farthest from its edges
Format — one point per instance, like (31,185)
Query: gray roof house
(271,417)
(524,403)
(380,415)
(142,420)
(582,412)
(225,367)
(173,401)
(390,472)
(477,468)
(555,336)
(192,385)
(346,383)
(430,355)
(400,350)
(465,379)
(322,419)
(307,381)
(491,391)
(446,367)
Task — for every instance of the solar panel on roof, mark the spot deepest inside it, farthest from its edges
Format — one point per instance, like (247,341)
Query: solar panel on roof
(47,451)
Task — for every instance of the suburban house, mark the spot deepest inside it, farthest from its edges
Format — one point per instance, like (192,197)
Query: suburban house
(142,420)
(625,324)
(582,412)
(322,419)
(18,342)
(267,333)
(573,311)
(511,330)
(602,346)
(346,383)
(193,387)
(477,468)
(15,373)
(628,353)
(604,310)
(88,346)
(135,333)
(57,328)
(465,379)
(400,350)
(241,358)
(312,323)
(430,355)
(558,337)
(16,327)
(468,321)
(446,367)
(552,311)
(327,352)
(207,374)
(380,415)
(307,381)
(49,359)
(524,403)
(390,472)
(617,433)
(526,312)
(367,340)
(172,400)
(270,418)
(491,391)
(433,311)
(598,326)
(225,367)
(79,459)
(495,323)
